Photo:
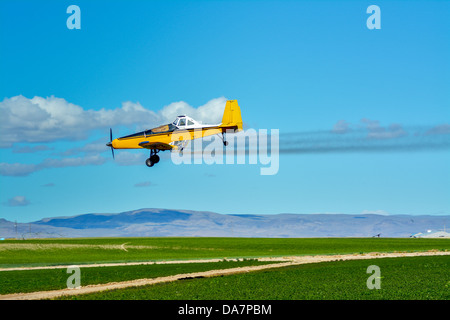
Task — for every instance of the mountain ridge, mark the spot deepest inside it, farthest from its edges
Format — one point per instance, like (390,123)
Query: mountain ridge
(157,222)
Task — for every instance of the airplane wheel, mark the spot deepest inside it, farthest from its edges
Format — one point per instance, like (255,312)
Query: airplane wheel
(154,158)
(149,162)
(225,143)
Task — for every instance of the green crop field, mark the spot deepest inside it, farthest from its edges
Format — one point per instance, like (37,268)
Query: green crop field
(402,278)
(412,278)
(54,279)
(15,253)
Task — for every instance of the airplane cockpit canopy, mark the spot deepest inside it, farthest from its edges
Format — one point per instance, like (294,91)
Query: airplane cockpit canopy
(181,122)
(184,121)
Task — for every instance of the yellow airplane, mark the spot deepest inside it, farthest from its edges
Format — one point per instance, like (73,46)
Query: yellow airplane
(175,135)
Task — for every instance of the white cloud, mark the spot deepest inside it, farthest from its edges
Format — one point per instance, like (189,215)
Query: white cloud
(34,149)
(440,129)
(17,169)
(17,201)
(341,126)
(209,113)
(49,185)
(379,212)
(72,162)
(373,127)
(378,132)
(126,158)
(143,184)
(50,119)
(20,169)
(94,147)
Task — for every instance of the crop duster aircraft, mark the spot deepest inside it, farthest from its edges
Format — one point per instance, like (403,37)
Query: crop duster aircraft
(175,135)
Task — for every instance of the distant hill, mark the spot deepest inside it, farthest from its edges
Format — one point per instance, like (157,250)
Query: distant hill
(176,223)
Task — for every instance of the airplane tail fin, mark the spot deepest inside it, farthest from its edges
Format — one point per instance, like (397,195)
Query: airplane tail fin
(232,116)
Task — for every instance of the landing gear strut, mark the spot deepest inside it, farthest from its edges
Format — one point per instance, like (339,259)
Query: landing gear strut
(154,158)
(225,143)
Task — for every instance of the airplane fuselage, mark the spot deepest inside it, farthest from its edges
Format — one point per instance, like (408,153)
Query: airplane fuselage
(135,141)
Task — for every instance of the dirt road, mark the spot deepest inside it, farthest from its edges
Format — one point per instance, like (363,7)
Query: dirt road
(287,261)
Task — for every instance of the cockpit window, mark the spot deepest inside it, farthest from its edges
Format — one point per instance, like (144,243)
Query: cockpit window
(175,122)
(182,122)
(190,123)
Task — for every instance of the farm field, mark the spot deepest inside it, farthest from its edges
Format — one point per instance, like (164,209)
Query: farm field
(415,278)
(33,266)
(45,252)
(54,279)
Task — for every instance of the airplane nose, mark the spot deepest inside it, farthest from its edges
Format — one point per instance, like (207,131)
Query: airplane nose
(109,144)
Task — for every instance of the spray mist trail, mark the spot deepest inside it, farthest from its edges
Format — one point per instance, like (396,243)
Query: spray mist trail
(372,139)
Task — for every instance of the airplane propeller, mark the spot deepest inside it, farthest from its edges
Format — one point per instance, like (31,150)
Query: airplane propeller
(109,144)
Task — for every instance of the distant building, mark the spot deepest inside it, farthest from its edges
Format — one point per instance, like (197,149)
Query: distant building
(432,234)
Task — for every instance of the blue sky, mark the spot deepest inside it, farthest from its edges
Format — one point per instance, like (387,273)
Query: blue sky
(296,66)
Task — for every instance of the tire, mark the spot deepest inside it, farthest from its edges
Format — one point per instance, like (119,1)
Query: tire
(149,162)
(154,158)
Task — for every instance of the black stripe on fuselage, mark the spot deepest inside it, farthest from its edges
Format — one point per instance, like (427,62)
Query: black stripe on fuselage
(141,134)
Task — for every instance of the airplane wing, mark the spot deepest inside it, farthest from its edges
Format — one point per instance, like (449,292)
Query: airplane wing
(156,145)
